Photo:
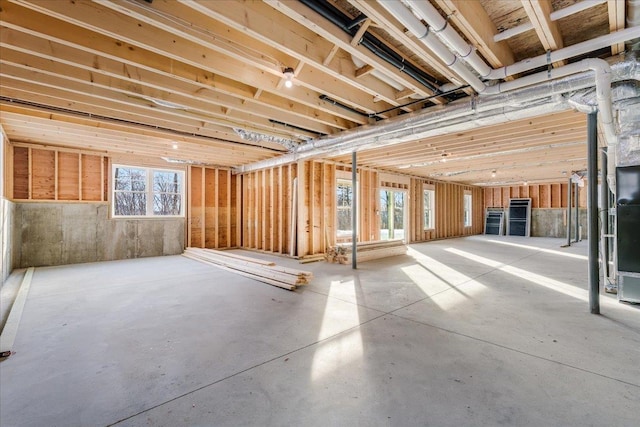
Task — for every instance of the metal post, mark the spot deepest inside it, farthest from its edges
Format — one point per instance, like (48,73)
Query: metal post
(569,191)
(604,209)
(592,211)
(577,217)
(354,210)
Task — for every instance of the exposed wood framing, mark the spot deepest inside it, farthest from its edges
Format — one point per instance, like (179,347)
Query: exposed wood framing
(543,196)
(474,22)
(539,12)
(52,174)
(212,208)
(449,210)
(616,22)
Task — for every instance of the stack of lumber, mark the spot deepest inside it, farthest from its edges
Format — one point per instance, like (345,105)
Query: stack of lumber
(264,271)
(367,251)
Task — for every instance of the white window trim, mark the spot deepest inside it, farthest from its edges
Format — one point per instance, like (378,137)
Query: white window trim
(432,189)
(149,192)
(339,179)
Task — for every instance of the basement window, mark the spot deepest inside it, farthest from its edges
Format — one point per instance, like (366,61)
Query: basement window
(429,205)
(467,208)
(146,192)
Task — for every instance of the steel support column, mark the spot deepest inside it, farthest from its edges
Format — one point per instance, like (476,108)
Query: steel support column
(354,210)
(569,192)
(604,215)
(592,211)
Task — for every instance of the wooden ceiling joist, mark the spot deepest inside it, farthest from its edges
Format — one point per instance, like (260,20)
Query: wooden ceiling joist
(616,9)
(539,12)
(127,76)
(474,22)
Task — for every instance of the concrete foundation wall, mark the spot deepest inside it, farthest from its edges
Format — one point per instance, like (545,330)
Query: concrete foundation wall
(7,214)
(552,223)
(68,233)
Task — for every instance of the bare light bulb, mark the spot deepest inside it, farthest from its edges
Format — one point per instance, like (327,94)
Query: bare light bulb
(288,75)
(174,146)
(493,174)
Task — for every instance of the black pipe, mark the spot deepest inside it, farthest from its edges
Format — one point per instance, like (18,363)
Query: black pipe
(287,125)
(369,41)
(424,99)
(357,21)
(346,107)
(592,214)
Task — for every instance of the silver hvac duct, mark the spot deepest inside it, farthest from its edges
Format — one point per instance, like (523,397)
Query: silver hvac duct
(541,98)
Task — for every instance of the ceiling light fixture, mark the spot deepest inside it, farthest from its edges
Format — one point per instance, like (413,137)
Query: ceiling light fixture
(174,146)
(444,157)
(493,173)
(525,183)
(288,75)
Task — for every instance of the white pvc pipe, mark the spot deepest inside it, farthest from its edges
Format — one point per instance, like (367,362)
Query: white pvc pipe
(449,35)
(574,8)
(558,14)
(427,37)
(565,53)
(512,32)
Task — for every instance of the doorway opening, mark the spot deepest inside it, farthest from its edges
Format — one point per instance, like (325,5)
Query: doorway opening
(392,214)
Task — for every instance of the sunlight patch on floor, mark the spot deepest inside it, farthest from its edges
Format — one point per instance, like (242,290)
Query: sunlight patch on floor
(434,277)
(535,278)
(345,349)
(548,251)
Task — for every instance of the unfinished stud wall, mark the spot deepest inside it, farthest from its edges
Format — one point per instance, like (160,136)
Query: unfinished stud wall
(41,173)
(212,208)
(268,196)
(449,211)
(548,206)
(61,211)
(306,192)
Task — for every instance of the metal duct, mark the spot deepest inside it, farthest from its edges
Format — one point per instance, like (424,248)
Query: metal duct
(455,116)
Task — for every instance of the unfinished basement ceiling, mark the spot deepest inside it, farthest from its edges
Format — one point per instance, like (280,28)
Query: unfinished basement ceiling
(203,81)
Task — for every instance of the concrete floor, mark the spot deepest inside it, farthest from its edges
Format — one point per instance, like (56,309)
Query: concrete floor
(467,332)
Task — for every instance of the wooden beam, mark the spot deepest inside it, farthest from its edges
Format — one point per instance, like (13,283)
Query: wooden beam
(404,94)
(311,20)
(355,41)
(364,70)
(472,20)
(245,22)
(332,53)
(226,74)
(616,9)
(539,12)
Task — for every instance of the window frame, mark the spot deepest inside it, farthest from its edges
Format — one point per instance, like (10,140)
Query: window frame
(431,190)
(149,191)
(467,209)
(345,233)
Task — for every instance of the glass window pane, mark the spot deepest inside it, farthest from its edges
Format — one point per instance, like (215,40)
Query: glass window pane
(166,204)
(130,204)
(167,181)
